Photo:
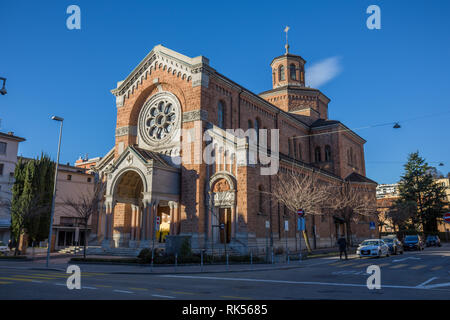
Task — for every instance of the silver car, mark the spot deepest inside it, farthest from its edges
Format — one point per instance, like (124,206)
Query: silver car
(373,248)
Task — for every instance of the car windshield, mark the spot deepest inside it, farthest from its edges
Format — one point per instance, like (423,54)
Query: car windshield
(389,240)
(411,238)
(370,243)
(1,243)
(431,237)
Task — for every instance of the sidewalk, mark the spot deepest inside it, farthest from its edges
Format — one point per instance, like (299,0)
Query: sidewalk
(58,263)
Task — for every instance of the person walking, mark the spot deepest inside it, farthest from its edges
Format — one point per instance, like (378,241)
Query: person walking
(342,247)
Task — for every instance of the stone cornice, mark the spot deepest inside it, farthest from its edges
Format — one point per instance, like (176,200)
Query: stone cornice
(195,115)
(127,130)
(160,54)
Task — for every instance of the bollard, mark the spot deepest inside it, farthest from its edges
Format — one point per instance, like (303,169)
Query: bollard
(227,261)
(288,258)
(201,261)
(272,256)
(153,256)
(251,257)
(176,261)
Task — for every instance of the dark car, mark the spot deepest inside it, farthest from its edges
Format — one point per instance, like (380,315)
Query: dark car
(433,240)
(395,246)
(413,243)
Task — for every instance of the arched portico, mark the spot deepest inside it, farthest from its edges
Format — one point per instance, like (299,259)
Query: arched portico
(140,188)
(222,227)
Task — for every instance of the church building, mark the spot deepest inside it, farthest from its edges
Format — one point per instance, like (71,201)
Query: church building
(156,173)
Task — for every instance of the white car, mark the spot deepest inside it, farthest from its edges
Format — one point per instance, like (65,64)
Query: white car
(3,248)
(373,248)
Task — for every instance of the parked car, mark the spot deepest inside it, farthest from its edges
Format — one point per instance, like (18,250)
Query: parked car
(395,246)
(4,248)
(373,248)
(413,242)
(433,240)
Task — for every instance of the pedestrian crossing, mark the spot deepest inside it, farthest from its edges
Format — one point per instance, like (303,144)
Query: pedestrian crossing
(43,276)
(389,265)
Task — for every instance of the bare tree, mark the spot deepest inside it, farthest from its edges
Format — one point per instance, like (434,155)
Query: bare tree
(84,206)
(401,214)
(350,204)
(300,191)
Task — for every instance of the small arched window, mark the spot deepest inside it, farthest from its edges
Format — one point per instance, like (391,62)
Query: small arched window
(221,115)
(327,153)
(317,154)
(293,72)
(281,75)
(257,127)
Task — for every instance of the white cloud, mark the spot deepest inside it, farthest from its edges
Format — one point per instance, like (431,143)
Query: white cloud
(322,72)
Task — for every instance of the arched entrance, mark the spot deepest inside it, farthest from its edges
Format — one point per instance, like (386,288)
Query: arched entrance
(223,222)
(128,207)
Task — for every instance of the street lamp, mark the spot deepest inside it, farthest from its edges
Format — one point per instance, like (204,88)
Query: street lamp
(397,126)
(3,90)
(54,188)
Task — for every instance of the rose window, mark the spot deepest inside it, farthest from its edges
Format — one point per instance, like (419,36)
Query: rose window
(160,118)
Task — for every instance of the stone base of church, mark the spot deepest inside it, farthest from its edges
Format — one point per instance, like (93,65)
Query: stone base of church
(145,244)
(108,244)
(133,244)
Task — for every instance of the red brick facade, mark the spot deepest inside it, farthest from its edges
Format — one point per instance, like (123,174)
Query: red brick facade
(308,139)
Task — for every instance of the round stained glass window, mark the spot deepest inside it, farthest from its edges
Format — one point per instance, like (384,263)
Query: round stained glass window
(159,118)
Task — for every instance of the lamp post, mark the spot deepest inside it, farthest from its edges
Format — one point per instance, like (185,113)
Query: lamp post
(61,120)
(3,90)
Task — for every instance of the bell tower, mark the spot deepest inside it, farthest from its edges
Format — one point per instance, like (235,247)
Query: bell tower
(288,69)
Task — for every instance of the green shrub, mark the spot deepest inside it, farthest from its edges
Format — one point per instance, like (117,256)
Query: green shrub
(185,249)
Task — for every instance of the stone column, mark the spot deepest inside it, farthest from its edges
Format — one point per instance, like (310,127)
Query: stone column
(101,227)
(108,224)
(138,223)
(173,217)
(233,222)
(132,242)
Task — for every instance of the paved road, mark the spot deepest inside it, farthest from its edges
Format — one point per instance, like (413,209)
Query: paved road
(413,275)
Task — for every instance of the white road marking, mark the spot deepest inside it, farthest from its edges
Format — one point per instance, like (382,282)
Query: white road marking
(350,272)
(438,285)
(412,258)
(36,281)
(161,296)
(91,288)
(123,291)
(428,281)
(61,284)
(303,282)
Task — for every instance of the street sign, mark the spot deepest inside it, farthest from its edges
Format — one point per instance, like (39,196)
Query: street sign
(157,222)
(300,212)
(372,225)
(447,217)
(286,225)
(267,224)
(301,224)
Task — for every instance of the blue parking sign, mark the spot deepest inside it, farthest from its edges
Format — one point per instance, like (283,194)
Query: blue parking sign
(301,224)
(372,225)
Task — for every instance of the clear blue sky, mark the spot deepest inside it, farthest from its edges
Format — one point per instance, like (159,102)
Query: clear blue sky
(398,73)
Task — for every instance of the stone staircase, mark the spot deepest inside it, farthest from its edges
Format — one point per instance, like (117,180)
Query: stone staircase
(71,250)
(124,252)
